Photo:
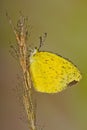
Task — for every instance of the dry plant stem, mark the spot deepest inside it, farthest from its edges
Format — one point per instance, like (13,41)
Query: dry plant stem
(21,37)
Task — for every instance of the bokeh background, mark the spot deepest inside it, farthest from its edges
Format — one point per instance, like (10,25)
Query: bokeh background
(65,22)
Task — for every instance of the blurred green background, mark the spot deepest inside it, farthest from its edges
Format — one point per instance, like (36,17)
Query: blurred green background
(65,22)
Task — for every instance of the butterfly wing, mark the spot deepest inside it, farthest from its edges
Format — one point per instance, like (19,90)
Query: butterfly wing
(51,73)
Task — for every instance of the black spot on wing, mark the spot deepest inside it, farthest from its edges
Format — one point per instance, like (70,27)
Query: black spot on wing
(72,83)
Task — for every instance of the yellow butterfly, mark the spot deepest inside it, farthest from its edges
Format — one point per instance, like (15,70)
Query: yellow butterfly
(51,73)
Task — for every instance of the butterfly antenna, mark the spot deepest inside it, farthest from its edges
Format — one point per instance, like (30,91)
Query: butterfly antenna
(42,40)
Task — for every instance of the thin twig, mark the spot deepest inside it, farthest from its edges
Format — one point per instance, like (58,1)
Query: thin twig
(21,37)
